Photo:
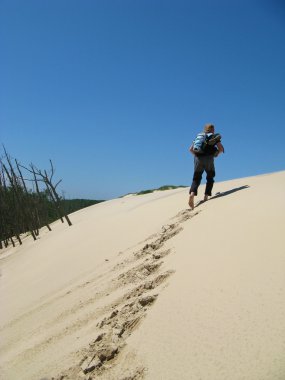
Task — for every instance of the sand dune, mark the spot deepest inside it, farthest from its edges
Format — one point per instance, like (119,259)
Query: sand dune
(142,287)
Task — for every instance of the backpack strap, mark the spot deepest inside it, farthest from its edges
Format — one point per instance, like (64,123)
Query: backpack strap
(214,139)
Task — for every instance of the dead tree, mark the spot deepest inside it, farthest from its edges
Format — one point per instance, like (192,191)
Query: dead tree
(47,179)
(10,218)
(19,200)
(30,202)
(43,210)
(2,210)
(22,199)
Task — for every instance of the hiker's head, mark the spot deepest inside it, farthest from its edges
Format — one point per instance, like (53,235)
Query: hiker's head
(209,128)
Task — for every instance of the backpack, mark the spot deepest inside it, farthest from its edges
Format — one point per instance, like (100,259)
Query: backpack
(205,142)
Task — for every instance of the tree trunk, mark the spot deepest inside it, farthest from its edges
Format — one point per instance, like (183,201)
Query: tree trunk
(19,239)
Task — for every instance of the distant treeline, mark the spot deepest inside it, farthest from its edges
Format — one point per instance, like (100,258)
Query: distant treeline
(72,205)
(162,188)
(29,200)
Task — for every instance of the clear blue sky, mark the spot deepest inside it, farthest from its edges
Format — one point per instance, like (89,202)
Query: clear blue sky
(114,91)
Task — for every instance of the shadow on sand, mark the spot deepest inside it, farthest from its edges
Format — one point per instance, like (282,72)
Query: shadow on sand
(223,194)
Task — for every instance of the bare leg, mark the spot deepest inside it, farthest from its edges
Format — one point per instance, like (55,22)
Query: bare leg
(191,200)
(206,197)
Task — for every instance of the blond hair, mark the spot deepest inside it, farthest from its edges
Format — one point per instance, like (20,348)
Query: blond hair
(209,128)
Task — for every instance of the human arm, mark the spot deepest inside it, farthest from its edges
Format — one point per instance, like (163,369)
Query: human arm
(220,148)
(191,150)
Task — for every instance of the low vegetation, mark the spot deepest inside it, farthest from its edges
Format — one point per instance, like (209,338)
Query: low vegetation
(162,188)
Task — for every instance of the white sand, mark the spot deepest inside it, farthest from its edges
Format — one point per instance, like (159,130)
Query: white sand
(216,274)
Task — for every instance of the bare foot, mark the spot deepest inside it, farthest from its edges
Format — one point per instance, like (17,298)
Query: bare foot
(206,197)
(191,201)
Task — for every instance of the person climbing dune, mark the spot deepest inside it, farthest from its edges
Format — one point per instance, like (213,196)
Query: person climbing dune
(206,146)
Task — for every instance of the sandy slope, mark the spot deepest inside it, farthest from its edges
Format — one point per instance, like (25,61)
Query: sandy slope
(142,287)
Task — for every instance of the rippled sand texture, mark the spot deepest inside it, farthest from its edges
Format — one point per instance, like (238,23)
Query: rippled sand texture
(142,287)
